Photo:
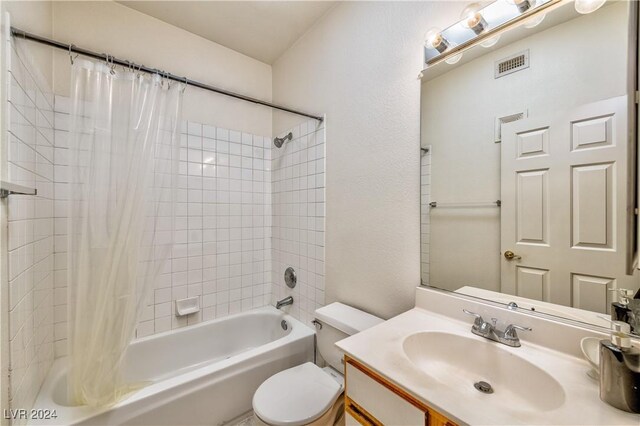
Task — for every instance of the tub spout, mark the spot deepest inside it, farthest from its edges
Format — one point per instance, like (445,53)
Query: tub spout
(284,302)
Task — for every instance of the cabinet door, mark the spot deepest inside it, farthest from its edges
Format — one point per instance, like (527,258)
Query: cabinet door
(385,406)
(372,400)
(436,419)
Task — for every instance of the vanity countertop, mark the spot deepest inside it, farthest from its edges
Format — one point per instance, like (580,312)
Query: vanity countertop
(582,404)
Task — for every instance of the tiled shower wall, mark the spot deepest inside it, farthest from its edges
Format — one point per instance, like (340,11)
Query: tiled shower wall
(425,198)
(223,239)
(222,253)
(226,254)
(299,218)
(30,227)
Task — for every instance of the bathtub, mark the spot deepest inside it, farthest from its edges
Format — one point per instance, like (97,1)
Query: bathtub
(200,375)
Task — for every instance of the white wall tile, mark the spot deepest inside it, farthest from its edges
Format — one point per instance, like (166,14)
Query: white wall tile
(31,241)
(246,211)
(222,230)
(425,198)
(296,171)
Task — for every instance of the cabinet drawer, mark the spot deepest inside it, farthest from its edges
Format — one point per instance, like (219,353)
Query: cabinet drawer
(380,402)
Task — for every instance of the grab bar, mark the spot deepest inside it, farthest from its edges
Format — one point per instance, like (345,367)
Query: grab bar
(8,188)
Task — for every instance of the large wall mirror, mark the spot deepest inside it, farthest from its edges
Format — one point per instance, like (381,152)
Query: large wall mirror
(528,166)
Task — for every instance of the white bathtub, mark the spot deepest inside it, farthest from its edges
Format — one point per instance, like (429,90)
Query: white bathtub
(201,375)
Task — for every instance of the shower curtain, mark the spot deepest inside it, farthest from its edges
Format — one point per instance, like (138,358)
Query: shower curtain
(123,166)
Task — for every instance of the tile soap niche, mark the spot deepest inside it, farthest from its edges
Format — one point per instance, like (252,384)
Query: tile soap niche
(187,306)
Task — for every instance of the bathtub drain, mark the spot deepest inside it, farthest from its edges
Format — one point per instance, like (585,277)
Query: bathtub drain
(284,325)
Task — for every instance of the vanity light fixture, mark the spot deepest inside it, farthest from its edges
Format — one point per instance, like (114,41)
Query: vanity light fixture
(588,6)
(484,25)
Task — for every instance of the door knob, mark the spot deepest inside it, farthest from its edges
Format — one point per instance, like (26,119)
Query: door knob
(509,255)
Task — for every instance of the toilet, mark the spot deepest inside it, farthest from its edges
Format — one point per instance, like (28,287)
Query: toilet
(308,394)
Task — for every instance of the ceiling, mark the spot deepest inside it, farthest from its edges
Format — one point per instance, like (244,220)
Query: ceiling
(263,30)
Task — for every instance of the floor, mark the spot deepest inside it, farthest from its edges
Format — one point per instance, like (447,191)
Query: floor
(244,420)
(247,420)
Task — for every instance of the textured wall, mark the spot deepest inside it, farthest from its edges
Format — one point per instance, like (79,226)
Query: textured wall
(106,26)
(359,64)
(35,17)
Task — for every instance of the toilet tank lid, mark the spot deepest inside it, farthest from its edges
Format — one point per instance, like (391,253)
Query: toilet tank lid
(346,318)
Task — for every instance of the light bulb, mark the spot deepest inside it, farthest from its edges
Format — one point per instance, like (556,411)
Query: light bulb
(435,40)
(588,6)
(491,41)
(473,19)
(522,5)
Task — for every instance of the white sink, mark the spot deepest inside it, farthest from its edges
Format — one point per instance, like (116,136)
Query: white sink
(458,362)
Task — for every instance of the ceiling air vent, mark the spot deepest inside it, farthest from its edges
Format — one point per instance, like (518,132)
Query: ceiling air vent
(512,63)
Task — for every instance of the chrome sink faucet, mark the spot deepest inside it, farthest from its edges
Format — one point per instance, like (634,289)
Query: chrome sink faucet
(508,336)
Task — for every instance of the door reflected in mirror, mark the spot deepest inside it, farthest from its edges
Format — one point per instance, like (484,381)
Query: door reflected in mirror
(528,171)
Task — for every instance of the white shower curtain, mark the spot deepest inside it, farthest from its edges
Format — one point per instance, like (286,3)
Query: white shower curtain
(123,166)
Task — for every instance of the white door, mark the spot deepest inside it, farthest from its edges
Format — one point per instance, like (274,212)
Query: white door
(565,206)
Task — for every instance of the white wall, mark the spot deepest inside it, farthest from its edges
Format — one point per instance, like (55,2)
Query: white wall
(35,17)
(359,65)
(106,26)
(580,61)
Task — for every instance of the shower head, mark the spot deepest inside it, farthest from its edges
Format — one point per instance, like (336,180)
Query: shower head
(278,142)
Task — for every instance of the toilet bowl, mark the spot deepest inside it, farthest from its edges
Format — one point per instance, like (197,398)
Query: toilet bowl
(307,394)
(302,395)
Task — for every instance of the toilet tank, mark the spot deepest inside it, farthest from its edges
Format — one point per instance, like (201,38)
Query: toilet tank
(340,321)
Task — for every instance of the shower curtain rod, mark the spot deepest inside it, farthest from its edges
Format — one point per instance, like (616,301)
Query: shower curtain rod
(16,32)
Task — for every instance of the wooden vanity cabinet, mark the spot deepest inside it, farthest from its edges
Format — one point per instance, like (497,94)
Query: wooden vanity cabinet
(370,399)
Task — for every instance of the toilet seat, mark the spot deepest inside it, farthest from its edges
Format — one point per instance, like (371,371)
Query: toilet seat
(296,396)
